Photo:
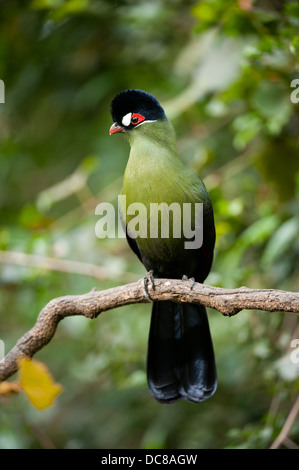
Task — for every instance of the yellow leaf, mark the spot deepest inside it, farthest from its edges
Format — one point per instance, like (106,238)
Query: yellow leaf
(8,388)
(37,383)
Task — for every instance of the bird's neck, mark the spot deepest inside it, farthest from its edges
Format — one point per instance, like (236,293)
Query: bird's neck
(153,138)
(153,158)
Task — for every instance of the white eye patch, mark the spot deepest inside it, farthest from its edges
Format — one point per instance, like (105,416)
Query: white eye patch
(126,120)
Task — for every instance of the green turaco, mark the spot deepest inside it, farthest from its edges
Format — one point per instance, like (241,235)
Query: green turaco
(180,361)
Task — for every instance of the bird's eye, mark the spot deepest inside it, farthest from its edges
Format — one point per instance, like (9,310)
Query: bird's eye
(137,119)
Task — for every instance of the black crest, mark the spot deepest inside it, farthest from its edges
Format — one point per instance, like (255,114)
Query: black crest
(136,101)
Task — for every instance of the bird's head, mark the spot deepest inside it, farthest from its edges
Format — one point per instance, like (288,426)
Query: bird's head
(133,108)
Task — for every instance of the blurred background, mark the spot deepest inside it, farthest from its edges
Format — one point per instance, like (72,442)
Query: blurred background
(223,72)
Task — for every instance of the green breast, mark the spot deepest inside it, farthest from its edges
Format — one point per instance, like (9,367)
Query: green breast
(157,185)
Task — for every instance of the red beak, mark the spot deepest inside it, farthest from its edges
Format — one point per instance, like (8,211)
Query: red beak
(115,128)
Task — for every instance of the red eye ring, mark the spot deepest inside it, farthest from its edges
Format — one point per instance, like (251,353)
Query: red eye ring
(137,119)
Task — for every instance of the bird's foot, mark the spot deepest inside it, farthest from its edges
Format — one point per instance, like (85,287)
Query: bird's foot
(186,278)
(149,278)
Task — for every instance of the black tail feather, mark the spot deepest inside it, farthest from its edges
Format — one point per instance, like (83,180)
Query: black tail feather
(180,360)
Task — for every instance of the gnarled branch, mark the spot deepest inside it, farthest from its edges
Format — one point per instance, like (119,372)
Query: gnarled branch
(227,301)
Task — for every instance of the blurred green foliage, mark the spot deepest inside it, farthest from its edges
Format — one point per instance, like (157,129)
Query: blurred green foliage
(223,72)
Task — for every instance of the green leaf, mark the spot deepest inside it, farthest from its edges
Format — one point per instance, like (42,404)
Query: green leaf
(282,239)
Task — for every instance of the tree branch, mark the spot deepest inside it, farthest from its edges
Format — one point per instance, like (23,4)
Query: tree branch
(283,435)
(63,265)
(227,301)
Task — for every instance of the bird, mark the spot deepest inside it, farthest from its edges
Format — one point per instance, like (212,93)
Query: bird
(180,357)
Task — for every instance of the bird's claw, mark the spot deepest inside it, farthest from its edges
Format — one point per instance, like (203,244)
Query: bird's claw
(186,278)
(149,278)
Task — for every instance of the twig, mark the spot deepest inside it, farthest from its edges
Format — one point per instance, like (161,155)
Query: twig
(227,301)
(283,435)
(62,265)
